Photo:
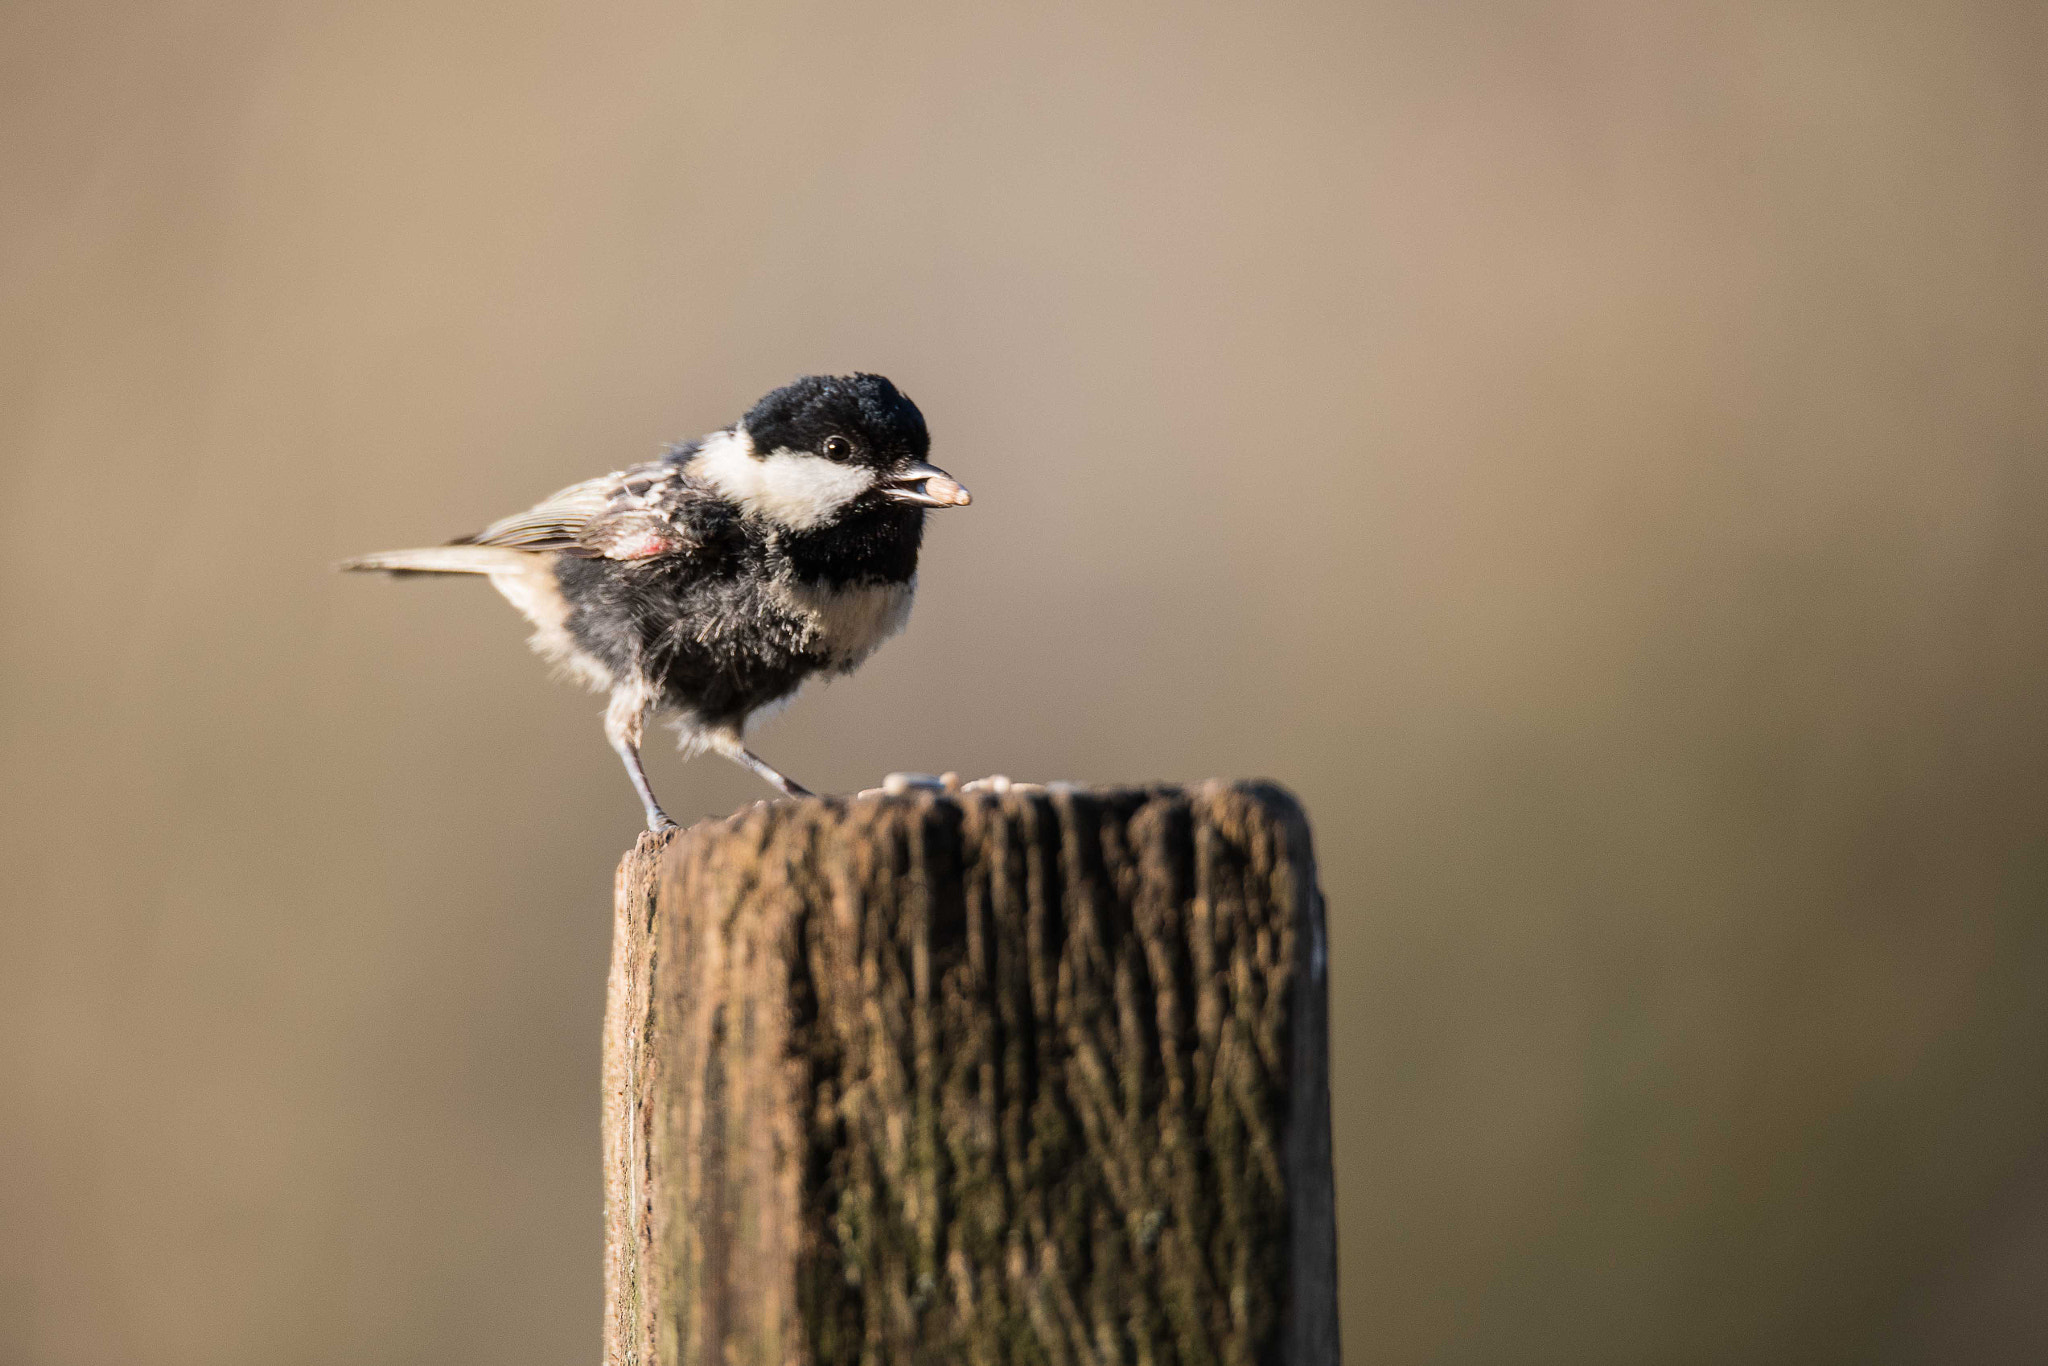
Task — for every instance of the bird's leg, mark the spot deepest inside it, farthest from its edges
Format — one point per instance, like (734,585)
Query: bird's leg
(623,719)
(729,745)
(657,819)
(790,787)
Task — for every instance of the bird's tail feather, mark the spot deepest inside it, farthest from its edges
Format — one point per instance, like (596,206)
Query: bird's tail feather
(441,559)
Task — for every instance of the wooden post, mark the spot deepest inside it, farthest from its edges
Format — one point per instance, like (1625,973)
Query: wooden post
(1032,1077)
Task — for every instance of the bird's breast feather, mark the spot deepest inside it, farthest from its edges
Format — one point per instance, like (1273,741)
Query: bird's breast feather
(846,622)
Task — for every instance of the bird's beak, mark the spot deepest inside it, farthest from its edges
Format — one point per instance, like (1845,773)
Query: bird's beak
(926,486)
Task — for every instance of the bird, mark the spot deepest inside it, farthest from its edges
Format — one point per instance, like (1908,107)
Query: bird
(712,583)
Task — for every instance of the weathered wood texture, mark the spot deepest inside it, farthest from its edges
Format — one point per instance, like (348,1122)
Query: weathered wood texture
(1022,1078)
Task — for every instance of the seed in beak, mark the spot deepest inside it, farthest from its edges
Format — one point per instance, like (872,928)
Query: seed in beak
(928,486)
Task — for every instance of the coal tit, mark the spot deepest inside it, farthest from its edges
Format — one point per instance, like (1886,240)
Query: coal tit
(715,581)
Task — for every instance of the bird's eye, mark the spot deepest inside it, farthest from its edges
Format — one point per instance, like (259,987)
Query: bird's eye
(838,448)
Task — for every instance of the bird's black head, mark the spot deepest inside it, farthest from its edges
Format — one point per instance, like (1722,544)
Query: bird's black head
(824,448)
(873,422)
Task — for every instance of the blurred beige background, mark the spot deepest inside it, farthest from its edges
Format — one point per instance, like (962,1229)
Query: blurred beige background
(1594,453)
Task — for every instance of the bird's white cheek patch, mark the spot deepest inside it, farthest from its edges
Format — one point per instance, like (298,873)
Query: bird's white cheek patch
(803,490)
(789,488)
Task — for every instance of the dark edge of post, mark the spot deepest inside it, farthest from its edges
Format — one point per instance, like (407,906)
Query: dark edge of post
(1310,1333)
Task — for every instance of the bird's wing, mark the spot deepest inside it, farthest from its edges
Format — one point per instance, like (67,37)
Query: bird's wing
(557,521)
(627,515)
